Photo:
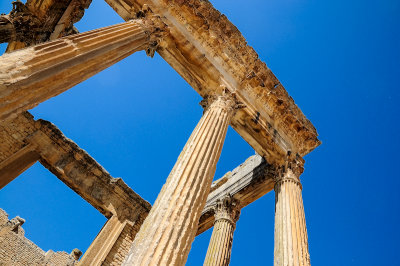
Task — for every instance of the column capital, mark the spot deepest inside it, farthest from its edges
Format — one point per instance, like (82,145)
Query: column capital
(227,209)
(290,170)
(156,29)
(224,99)
(25,25)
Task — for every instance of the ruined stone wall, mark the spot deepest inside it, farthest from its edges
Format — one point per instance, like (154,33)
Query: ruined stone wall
(13,133)
(58,258)
(121,247)
(17,250)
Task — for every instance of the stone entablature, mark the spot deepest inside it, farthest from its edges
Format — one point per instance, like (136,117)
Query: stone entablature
(17,250)
(78,170)
(246,183)
(71,164)
(207,50)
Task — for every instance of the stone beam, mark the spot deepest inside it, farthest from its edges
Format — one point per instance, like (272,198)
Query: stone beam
(207,50)
(246,183)
(35,74)
(72,165)
(79,171)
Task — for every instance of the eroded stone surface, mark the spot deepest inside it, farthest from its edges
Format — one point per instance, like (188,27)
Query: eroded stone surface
(37,21)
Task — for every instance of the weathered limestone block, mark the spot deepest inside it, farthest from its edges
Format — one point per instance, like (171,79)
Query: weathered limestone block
(166,235)
(35,74)
(291,242)
(227,212)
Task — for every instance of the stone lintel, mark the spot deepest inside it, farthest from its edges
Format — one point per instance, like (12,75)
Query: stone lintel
(25,141)
(246,183)
(78,170)
(207,50)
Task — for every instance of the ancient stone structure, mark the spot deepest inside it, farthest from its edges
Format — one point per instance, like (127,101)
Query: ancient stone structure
(209,52)
(17,250)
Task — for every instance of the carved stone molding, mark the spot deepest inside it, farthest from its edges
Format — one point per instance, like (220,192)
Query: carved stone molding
(227,209)
(294,164)
(23,25)
(30,24)
(224,98)
(156,28)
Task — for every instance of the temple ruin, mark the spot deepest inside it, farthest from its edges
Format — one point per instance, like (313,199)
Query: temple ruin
(46,55)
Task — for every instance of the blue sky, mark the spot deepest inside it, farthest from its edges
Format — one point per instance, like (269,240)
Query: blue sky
(339,60)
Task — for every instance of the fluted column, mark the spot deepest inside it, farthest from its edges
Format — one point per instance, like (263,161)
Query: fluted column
(219,250)
(167,234)
(291,242)
(32,75)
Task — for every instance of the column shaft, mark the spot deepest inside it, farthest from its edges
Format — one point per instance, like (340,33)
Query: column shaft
(167,234)
(32,75)
(291,242)
(220,247)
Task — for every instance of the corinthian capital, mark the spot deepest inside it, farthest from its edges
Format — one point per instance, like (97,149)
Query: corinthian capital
(222,98)
(291,170)
(227,209)
(155,28)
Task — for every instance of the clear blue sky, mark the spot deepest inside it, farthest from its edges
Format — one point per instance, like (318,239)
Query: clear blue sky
(339,60)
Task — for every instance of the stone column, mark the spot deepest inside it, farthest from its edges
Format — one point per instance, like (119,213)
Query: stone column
(32,75)
(291,242)
(167,234)
(227,213)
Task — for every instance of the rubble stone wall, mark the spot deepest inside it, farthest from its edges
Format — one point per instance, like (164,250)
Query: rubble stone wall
(17,250)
